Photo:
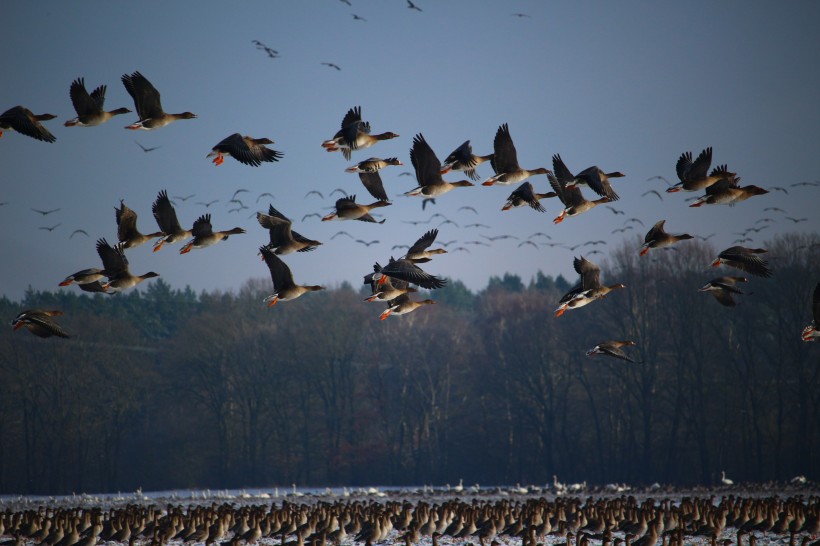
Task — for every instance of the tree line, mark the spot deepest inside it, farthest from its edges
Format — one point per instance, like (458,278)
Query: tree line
(165,388)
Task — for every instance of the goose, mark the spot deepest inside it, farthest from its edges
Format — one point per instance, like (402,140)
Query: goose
(115,265)
(694,175)
(205,236)
(348,209)
(25,122)
(245,149)
(722,289)
(388,290)
(89,108)
(572,198)
(811,332)
(127,232)
(419,253)
(284,287)
(354,135)
(373,164)
(593,177)
(407,271)
(525,195)
(166,217)
(612,348)
(283,240)
(505,161)
(463,159)
(588,290)
(745,259)
(39,322)
(658,238)
(727,191)
(85,276)
(428,171)
(403,305)
(148,105)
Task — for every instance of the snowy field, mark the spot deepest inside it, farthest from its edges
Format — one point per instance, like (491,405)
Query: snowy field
(769,514)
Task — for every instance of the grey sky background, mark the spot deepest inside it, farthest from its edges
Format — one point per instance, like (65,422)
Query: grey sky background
(627,86)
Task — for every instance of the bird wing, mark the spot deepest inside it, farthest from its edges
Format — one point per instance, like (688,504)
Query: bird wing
(590,273)
(82,101)
(505,158)
(424,241)
(164,214)
(279,271)
(425,162)
(126,222)
(373,184)
(202,226)
(113,258)
(146,97)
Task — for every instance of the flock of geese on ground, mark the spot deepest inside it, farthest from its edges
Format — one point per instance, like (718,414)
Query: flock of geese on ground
(391,283)
(535,521)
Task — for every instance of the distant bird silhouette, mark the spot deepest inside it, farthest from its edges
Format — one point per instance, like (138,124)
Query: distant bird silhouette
(659,178)
(366,243)
(51,228)
(46,212)
(520,15)
(347,2)
(615,211)
(311,215)
(272,53)
(265,194)
(774,209)
(477,225)
(76,231)
(527,242)
(208,204)
(341,233)
(623,229)
(315,192)
(146,150)
(426,200)
(340,190)
(468,208)
(539,234)
(185,198)
(411,5)
(358,18)
(498,237)
(705,238)
(796,220)
(635,220)
(780,188)
(332,65)
(798,184)
(654,192)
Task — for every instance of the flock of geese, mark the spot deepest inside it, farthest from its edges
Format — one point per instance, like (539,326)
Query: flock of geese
(394,282)
(532,520)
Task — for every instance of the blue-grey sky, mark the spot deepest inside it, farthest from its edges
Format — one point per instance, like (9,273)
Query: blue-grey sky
(625,85)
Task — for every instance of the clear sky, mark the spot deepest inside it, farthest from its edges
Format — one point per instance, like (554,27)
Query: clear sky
(627,86)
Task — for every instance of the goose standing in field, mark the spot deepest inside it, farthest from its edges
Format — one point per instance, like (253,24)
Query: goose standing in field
(694,175)
(39,322)
(166,217)
(283,240)
(115,265)
(89,108)
(592,177)
(245,149)
(811,332)
(658,238)
(463,159)
(403,305)
(572,198)
(525,195)
(205,236)
(745,259)
(354,135)
(148,105)
(722,289)
(127,232)
(505,161)
(25,122)
(727,191)
(428,171)
(348,209)
(612,348)
(284,287)
(586,291)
